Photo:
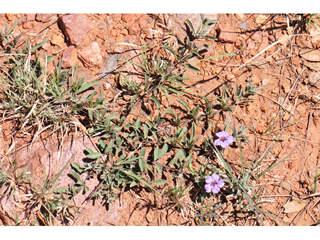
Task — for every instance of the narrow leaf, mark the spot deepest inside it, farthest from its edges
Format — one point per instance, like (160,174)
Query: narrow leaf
(86,86)
(188,65)
(159,182)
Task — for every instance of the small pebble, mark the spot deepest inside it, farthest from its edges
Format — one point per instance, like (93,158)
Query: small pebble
(102,26)
(239,16)
(243,25)
(265,81)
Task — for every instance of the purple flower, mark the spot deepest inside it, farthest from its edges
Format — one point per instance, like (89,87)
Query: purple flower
(213,184)
(224,139)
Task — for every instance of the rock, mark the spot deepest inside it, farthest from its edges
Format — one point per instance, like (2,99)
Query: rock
(41,17)
(228,47)
(229,77)
(283,39)
(92,54)
(255,79)
(142,21)
(38,159)
(243,25)
(27,25)
(260,129)
(310,55)
(315,40)
(124,32)
(114,32)
(57,40)
(285,185)
(316,118)
(294,206)
(239,16)
(178,22)
(227,34)
(118,49)
(28,17)
(9,16)
(111,64)
(127,17)
(314,79)
(286,117)
(75,27)
(69,57)
(261,19)
(84,73)
(264,108)
(286,87)
(102,26)
(264,44)
(312,65)
(134,29)
(265,81)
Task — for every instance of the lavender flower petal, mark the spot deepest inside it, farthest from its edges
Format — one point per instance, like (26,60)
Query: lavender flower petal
(215,189)
(220,183)
(208,188)
(224,144)
(222,134)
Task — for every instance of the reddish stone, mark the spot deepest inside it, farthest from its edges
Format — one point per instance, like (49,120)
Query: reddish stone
(9,16)
(113,33)
(41,17)
(127,17)
(227,34)
(124,32)
(143,21)
(69,57)
(57,40)
(27,25)
(134,29)
(92,54)
(75,27)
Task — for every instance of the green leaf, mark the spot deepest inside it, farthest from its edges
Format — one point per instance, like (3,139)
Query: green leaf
(169,111)
(163,151)
(110,146)
(77,167)
(102,143)
(153,98)
(39,45)
(75,175)
(145,131)
(137,124)
(135,177)
(14,25)
(89,150)
(86,86)
(139,66)
(159,182)
(142,164)
(185,104)
(191,26)
(94,155)
(133,98)
(143,151)
(182,132)
(188,65)
(159,169)
(170,50)
(180,154)
(156,153)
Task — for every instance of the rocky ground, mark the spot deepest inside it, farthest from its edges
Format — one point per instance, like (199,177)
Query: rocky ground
(277,52)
